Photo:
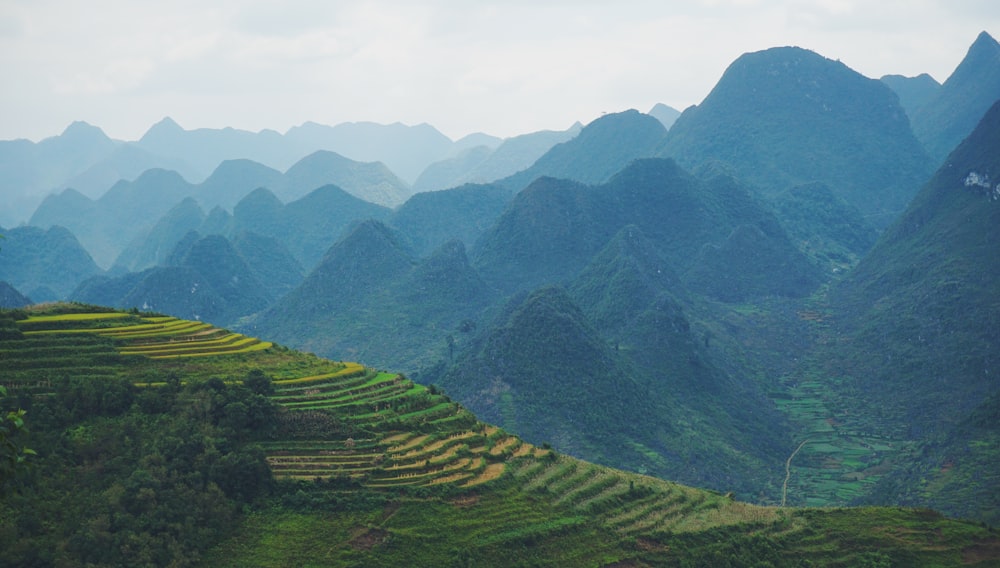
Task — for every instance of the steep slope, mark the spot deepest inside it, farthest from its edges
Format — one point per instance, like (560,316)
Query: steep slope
(11,298)
(551,229)
(128,209)
(826,228)
(667,115)
(536,370)
(28,171)
(953,113)
(203,278)
(370,299)
(32,258)
(602,148)
(451,172)
(487,164)
(370,181)
(151,249)
(921,313)
(232,180)
(406,150)
(913,92)
(787,116)
(270,261)
(432,218)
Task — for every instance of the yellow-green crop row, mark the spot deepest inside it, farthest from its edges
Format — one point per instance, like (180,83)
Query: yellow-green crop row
(185,343)
(348,369)
(248,349)
(77,317)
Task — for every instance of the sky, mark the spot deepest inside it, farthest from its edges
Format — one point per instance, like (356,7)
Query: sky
(463,66)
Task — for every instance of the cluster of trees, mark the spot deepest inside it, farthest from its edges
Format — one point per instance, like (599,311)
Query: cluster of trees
(125,475)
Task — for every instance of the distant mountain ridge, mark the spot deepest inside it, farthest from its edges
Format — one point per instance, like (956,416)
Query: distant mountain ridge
(129,210)
(787,116)
(956,108)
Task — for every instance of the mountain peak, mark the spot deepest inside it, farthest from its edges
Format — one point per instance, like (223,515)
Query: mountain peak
(81,129)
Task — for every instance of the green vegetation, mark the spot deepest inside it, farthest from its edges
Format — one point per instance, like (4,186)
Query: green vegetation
(273,457)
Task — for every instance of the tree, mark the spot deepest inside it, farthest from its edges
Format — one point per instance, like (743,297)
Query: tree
(13,453)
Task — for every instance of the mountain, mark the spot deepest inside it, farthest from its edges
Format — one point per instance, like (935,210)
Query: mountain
(600,150)
(30,170)
(518,377)
(830,231)
(34,259)
(432,218)
(11,298)
(406,150)
(128,209)
(270,261)
(371,299)
(153,248)
(233,179)
(667,115)
(489,164)
(204,278)
(920,318)
(746,263)
(125,162)
(553,228)
(787,116)
(371,182)
(913,92)
(307,226)
(451,172)
(942,122)
(206,148)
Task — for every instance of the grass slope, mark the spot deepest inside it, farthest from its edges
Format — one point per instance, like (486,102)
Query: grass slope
(376,471)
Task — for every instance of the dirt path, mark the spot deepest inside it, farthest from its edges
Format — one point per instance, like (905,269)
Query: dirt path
(788,472)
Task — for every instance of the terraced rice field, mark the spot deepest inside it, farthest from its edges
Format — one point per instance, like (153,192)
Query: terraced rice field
(406,435)
(377,428)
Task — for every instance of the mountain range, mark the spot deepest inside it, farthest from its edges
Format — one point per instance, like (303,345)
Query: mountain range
(778,275)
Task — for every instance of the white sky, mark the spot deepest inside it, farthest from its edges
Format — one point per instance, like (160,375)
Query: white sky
(504,68)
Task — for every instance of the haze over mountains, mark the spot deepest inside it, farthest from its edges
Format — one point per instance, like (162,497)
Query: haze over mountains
(689,294)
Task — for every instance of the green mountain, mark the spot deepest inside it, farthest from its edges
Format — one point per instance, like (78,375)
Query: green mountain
(542,370)
(370,181)
(451,172)
(29,171)
(370,299)
(203,278)
(953,113)
(11,298)
(128,209)
(830,231)
(232,180)
(406,150)
(307,226)
(432,218)
(553,228)
(743,266)
(33,259)
(786,116)
(600,150)
(913,92)
(179,443)
(151,249)
(925,298)
(917,324)
(271,262)
(486,164)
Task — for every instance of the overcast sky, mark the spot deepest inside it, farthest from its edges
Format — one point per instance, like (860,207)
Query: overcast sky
(504,68)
